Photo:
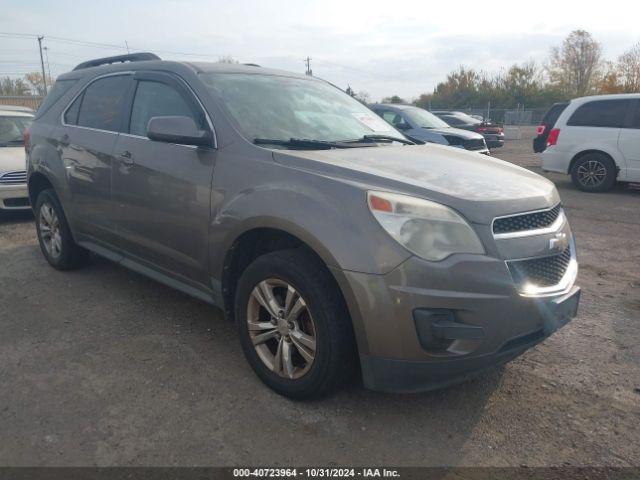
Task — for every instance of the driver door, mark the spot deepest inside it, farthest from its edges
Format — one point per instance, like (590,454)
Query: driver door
(162,191)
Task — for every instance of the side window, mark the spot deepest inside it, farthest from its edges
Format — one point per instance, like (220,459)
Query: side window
(600,113)
(392,117)
(636,117)
(102,103)
(154,99)
(71,115)
(451,120)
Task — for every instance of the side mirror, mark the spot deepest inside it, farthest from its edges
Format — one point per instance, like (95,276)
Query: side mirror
(177,129)
(403,126)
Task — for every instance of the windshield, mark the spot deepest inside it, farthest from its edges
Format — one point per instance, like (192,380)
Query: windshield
(11,128)
(281,108)
(424,119)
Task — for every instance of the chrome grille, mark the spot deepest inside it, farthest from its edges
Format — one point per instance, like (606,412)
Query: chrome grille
(526,221)
(13,178)
(542,272)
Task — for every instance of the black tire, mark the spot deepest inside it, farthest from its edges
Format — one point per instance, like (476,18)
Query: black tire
(335,353)
(69,255)
(594,172)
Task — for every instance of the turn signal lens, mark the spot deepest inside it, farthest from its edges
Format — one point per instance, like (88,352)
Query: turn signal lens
(380,204)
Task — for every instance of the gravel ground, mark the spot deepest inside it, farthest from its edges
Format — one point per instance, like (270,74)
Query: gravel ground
(102,366)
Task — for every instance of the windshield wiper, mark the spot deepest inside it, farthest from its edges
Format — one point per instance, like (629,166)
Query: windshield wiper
(389,138)
(301,143)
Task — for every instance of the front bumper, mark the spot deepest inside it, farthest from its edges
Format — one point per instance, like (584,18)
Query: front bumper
(477,291)
(14,197)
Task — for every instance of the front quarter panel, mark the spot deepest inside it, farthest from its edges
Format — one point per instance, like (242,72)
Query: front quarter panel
(331,216)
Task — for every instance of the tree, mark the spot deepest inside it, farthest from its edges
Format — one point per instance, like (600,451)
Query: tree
(393,99)
(34,79)
(576,65)
(628,69)
(13,87)
(611,80)
(227,59)
(363,97)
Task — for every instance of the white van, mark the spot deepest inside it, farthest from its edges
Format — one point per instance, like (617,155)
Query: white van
(597,141)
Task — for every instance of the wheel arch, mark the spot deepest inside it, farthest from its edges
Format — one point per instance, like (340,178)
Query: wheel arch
(258,239)
(588,151)
(38,182)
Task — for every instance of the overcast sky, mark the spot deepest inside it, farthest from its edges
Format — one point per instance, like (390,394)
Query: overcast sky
(380,47)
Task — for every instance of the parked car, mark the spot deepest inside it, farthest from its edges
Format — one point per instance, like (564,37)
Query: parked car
(330,239)
(418,124)
(547,123)
(493,134)
(13,175)
(596,140)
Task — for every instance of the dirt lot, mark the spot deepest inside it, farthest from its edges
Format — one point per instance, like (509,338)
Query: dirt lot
(104,367)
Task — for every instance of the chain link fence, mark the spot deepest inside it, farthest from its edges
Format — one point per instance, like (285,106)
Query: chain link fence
(508,116)
(30,101)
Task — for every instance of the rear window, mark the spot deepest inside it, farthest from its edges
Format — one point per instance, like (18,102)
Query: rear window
(553,113)
(600,113)
(102,103)
(57,91)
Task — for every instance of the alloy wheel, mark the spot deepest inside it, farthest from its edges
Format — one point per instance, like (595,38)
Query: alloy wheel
(49,227)
(591,173)
(281,328)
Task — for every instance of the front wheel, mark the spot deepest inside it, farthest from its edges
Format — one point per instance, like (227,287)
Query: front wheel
(294,326)
(594,172)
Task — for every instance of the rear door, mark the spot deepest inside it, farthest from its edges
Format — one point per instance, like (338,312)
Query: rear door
(629,143)
(86,139)
(162,190)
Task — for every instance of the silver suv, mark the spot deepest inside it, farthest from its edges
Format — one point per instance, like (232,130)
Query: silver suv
(333,242)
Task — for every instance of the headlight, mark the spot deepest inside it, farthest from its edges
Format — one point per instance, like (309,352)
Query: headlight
(428,229)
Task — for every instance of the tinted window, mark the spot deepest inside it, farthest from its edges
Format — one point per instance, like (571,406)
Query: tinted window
(102,103)
(452,120)
(553,113)
(58,90)
(71,115)
(392,117)
(600,113)
(155,99)
(636,117)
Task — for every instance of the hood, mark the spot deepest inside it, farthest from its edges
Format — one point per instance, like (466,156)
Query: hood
(458,132)
(478,186)
(12,159)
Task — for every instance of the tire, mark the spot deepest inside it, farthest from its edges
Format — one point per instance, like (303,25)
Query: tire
(321,316)
(594,172)
(54,235)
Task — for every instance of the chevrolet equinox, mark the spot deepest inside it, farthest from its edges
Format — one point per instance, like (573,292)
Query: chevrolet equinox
(335,244)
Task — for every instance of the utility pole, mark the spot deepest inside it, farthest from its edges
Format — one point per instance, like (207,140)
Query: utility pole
(44,77)
(46,55)
(307,61)
(127,45)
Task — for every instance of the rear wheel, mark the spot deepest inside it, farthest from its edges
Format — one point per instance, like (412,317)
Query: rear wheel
(594,172)
(54,235)
(294,327)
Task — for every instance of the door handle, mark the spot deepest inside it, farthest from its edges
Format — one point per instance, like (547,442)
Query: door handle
(126,158)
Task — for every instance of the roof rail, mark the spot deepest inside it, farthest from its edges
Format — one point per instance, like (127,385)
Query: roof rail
(133,57)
